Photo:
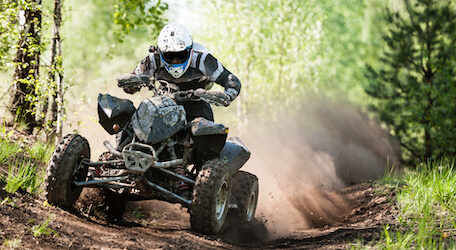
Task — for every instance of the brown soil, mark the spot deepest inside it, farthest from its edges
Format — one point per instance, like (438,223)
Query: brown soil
(303,206)
(160,225)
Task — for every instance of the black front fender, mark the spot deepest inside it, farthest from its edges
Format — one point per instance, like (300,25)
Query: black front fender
(235,154)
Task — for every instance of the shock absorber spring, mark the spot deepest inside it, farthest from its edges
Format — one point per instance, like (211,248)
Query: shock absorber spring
(181,185)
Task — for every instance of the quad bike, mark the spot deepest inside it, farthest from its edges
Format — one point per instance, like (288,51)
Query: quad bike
(160,156)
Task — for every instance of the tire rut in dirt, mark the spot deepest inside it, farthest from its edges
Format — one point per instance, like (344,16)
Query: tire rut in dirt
(212,179)
(62,168)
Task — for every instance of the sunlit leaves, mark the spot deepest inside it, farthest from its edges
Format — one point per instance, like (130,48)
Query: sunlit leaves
(284,50)
(129,14)
(8,30)
(273,46)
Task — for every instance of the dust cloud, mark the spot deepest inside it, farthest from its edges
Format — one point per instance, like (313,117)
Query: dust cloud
(302,163)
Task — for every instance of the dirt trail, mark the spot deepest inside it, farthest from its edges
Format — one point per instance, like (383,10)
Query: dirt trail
(158,225)
(313,194)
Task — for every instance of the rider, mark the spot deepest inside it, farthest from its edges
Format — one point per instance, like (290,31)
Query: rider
(190,66)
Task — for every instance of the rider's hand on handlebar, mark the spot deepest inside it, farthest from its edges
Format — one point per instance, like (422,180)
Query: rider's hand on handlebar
(131,90)
(185,96)
(132,83)
(217,98)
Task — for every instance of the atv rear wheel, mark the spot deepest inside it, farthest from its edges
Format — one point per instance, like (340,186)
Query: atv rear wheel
(245,190)
(211,196)
(64,168)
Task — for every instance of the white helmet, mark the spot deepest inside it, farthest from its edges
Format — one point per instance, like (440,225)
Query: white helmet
(175,46)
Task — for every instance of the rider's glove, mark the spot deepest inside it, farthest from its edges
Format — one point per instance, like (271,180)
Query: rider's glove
(127,79)
(130,83)
(131,90)
(219,98)
(232,93)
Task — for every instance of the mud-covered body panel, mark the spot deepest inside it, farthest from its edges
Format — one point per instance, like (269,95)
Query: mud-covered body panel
(208,137)
(157,119)
(235,154)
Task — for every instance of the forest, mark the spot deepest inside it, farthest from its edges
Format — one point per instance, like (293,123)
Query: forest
(394,60)
(371,83)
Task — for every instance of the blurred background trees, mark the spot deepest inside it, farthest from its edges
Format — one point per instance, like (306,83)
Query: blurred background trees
(283,51)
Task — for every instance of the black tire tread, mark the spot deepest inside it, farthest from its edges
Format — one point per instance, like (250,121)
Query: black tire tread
(243,183)
(202,208)
(59,173)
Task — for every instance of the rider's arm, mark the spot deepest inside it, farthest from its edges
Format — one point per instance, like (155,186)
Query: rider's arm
(220,75)
(145,67)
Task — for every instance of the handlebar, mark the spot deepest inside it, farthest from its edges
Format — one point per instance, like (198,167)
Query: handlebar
(217,98)
(128,80)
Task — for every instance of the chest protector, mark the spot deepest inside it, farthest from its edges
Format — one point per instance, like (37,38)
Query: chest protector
(192,79)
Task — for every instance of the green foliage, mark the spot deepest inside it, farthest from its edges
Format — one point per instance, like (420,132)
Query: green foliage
(129,15)
(98,28)
(23,176)
(352,31)
(283,51)
(40,151)
(415,88)
(426,209)
(8,30)
(8,150)
(138,213)
(272,46)
(111,20)
(42,229)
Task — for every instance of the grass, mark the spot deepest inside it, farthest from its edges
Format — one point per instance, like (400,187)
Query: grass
(12,244)
(138,213)
(22,163)
(426,199)
(41,151)
(8,202)
(8,150)
(21,169)
(42,228)
(23,176)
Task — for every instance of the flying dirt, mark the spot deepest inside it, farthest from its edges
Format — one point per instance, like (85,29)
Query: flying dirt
(308,169)
(303,161)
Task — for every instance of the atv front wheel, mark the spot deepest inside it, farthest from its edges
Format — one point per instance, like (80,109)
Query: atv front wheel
(64,169)
(245,190)
(211,196)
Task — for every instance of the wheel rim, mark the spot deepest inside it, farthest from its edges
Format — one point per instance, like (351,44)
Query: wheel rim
(222,201)
(251,206)
(79,174)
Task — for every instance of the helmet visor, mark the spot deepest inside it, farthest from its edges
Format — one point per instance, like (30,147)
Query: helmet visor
(177,57)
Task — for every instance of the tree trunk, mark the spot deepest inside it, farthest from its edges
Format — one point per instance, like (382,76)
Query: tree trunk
(54,116)
(27,62)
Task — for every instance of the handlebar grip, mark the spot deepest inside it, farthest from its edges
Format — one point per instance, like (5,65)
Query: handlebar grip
(131,80)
